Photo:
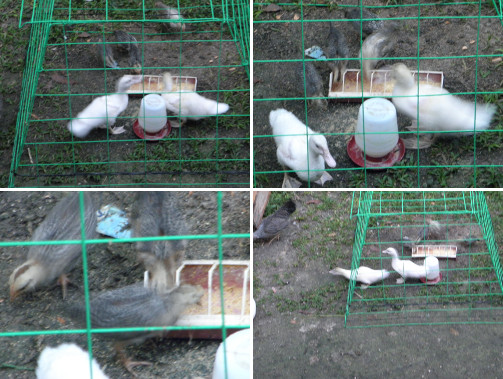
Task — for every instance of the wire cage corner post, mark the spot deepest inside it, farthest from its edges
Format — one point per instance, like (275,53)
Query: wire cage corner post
(470,289)
(63,74)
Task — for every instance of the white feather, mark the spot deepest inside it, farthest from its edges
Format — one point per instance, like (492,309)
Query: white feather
(365,275)
(190,104)
(104,110)
(438,113)
(292,150)
(67,361)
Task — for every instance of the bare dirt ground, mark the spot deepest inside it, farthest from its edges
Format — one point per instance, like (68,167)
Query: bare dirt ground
(453,39)
(110,266)
(299,327)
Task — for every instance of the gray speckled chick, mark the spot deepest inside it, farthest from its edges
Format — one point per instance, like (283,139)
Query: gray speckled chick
(377,45)
(130,45)
(272,225)
(368,27)
(136,306)
(47,262)
(314,84)
(105,54)
(156,213)
(336,48)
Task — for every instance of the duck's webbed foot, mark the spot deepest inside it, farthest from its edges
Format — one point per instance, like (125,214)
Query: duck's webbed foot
(325,177)
(289,182)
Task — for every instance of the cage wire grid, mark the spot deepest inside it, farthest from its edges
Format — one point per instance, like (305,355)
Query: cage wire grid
(63,73)
(451,37)
(85,243)
(470,290)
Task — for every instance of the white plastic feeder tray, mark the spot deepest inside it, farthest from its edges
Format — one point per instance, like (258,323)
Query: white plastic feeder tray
(380,84)
(439,251)
(206,273)
(155,84)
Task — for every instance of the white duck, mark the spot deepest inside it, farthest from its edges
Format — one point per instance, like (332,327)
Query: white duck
(436,113)
(104,110)
(365,275)
(292,149)
(67,361)
(405,268)
(189,104)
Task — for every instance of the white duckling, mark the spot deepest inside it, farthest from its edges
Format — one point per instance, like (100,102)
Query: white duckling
(104,110)
(405,268)
(292,149)
(365,275)
(67,361)
(189,104)
(436,113)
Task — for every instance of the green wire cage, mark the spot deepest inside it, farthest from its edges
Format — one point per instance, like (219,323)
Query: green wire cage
(41,318)
(64,73)
(454,40)
(470,289)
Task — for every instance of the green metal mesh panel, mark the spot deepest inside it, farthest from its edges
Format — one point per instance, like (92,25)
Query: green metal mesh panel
(471,287)
(456,38)
(55,315)
(63,74)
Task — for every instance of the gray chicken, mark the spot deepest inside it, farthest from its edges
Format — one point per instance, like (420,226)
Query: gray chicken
(272,225)
(157,214)
(170,13)
(336,48)
(135,306)
(367,27)
(105,54)
(129,45)
(314,85)
(378,44)
(46,263)
(433,231)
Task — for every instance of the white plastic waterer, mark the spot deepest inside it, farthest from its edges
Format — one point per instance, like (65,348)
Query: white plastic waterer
(152,115)
(432,267)
(381,128)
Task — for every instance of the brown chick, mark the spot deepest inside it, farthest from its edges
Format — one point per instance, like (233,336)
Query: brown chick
(136,306)
(156,214)
(45,263)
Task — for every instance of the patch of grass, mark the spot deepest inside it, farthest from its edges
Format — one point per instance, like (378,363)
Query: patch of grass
(491,177)
(320,301)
